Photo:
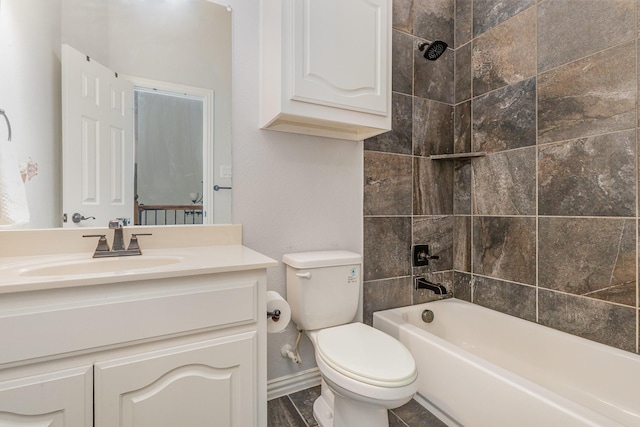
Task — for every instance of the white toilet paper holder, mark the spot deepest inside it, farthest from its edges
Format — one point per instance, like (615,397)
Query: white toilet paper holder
(274,315)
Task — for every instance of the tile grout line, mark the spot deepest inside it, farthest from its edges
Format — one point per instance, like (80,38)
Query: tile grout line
(304,420)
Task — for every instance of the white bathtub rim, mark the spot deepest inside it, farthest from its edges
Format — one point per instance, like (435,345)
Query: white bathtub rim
(549,397)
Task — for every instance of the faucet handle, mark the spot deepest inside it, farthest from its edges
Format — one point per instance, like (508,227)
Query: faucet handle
(103,246)
(133,243)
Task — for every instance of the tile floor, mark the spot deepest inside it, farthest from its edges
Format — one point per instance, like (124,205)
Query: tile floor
(296,410)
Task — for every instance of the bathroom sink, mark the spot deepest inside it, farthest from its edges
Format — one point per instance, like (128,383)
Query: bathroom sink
(99,266)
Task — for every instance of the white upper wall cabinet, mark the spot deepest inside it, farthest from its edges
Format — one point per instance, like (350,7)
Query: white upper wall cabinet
(326,67)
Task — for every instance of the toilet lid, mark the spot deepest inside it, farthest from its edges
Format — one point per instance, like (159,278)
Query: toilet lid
(367,355)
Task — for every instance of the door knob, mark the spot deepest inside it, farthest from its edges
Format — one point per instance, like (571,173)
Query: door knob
(76,218)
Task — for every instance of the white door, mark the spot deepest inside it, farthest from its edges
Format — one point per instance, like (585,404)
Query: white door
(97,142)
(56,399)
(210,383)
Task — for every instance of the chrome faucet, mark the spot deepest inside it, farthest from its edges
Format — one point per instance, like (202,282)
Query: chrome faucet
(117,248)
(437,288)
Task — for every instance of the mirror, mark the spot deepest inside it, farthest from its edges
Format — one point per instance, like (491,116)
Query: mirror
(175,42)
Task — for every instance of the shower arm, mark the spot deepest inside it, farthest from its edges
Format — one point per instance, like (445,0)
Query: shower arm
(7,120)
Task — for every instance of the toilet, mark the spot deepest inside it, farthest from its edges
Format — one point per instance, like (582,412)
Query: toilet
(364,371)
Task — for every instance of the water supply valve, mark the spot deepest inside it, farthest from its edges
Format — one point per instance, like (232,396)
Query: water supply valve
(421,256)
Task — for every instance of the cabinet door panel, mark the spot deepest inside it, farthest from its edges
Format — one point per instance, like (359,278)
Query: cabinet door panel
(56,399)
(203,384)
(340,53)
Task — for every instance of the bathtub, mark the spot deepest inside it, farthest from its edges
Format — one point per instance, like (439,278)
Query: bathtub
(479,367)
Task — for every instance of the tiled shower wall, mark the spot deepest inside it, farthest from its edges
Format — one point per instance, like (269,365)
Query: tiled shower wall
(545,226)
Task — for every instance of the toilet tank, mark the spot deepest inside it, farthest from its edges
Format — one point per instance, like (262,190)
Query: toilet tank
(323,287)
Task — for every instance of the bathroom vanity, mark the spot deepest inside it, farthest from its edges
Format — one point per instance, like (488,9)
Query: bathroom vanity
(176,336)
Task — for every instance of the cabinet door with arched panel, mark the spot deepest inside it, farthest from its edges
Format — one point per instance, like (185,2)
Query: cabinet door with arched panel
(59,398)
(210,382)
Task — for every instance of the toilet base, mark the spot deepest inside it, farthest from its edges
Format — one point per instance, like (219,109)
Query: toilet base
(348,413)
(322,412)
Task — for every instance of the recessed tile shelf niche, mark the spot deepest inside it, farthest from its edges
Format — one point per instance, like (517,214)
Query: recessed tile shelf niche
(457,156)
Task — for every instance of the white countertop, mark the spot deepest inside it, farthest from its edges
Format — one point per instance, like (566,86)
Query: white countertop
(16,273)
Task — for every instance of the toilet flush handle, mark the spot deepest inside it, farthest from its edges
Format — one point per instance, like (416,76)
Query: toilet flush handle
(305,275)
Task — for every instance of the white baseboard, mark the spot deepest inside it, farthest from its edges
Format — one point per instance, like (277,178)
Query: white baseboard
(288,384)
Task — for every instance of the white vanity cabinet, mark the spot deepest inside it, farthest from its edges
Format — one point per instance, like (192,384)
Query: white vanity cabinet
(326,67)
(183,350)
(59,398)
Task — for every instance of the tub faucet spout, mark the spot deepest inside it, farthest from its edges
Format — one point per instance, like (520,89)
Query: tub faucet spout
(437,288)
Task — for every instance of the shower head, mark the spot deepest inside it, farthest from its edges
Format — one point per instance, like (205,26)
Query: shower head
(434,50)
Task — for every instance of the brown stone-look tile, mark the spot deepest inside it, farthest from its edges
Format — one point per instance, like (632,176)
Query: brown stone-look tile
(381,295)
(438,233)
(394,421)
(462,286)
(505,248)
(462,243)
(590,96)
(434,79)
(463,22)
(433,20)
(506,118)
(504,183)
(462,82)
(402,64)
(638,76)
(462,187)
(388,184)
(432,127)
(426,295)
(403,15)
(622,292)
(432,187)
(462,128)
(509,298)
(582,256)
(638,24)
(281,412)
(303,400)
(593,176)
(601,24)
(489,13)
(415,415)
(399,138)
(599,321)
(506,54)
(387,247)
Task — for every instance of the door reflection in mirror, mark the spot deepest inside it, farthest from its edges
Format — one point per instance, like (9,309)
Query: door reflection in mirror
(169,157)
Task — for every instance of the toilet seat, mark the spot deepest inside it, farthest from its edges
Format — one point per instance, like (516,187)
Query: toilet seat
(365,354)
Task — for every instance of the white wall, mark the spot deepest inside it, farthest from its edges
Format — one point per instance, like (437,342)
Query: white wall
(291,192)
